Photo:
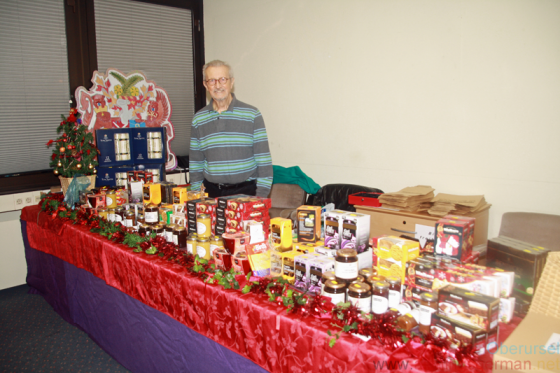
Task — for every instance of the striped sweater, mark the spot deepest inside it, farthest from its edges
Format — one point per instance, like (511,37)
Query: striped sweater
(230,147)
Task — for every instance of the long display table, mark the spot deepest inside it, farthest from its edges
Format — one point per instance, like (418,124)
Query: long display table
(154,316)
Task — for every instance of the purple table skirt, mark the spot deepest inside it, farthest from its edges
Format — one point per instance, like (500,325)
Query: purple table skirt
(139,337)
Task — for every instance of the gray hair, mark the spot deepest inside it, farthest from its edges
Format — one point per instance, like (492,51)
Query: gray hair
(216,63)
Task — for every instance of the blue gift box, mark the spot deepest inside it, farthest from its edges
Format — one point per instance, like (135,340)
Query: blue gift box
(105,140)
(140,138)
(107,176)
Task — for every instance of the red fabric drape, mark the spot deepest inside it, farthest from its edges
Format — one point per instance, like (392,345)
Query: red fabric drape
(247,324)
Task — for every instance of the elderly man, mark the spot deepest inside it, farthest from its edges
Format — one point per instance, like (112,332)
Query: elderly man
(229,146)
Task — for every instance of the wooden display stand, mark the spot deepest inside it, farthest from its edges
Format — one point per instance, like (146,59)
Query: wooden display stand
(396,223)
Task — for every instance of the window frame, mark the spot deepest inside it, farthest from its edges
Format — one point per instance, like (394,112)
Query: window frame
(82,62)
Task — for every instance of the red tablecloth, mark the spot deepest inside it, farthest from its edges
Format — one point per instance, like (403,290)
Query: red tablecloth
(247,324)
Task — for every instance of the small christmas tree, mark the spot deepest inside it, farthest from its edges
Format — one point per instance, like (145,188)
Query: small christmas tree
(74,151)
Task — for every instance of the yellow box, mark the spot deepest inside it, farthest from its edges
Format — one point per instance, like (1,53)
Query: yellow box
(392,255)
(288,265)
(180,195)
(307,248)
(397,249)
(152,193)
(281,234)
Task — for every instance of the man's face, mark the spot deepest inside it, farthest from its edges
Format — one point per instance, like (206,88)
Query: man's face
(218,91)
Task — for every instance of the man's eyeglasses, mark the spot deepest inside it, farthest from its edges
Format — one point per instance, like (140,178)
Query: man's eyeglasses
(214,81)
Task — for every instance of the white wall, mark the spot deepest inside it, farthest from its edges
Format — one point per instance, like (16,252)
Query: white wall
(13,267)
(460,95)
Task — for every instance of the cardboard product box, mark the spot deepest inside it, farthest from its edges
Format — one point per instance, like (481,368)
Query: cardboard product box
(179,195)
(167,191)
(250,203)
(157,172)
(393,254)
(276,259)
(469,307)
(318,266)
(222,201)
(534,346)
(459,333)
(355,232)
(307,248)
(115,147)
(246,215)
(525,260)
(148,145)
(288,265)
(112,176)
(333,221)
(308,223)
(302,265)
(281,234)
(451,239)
(152,193)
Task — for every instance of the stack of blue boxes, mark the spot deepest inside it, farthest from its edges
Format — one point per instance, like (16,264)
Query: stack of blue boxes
(128,149)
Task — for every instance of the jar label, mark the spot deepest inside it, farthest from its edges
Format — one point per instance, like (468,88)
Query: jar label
(200,228)
(394,298)
(379,304)
(426,315)
(151,217)
(176,239)
(363,304)
(169,236)
(336,298)
(128,222)
(108,200)
(189,247)
(213,247)
(201,251)
(346,271)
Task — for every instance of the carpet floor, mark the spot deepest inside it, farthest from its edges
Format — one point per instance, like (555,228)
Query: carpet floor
(34,338)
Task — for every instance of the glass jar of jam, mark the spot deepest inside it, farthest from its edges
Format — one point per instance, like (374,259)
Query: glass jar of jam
(359,294)
(394,291)
(142,230)
(191,243)
(158,228)
(428,305)
(336,290)
(203,225)
(408,321)
(180,236)
(151,214)
(119,214)
(129,218)
(324,278)
(140,219)
(102,212)
(111,199)
(380,297)
(216,243)
(203,247)
(346,265)
(366,272)
(169,232)
(111,214)
(373,279)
